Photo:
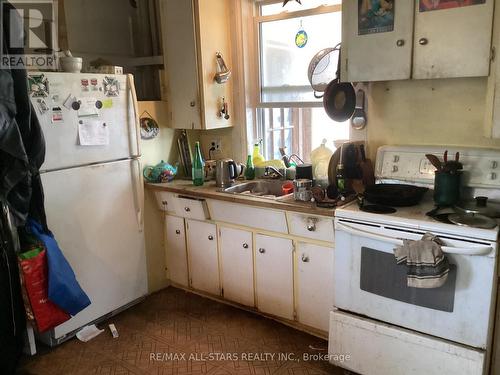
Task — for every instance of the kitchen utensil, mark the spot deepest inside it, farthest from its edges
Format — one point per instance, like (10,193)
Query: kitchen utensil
(394,195)
(226,171)
(335,159)
(434,161)
(339,99)
(479,205)
(185,153)
(223,73)
(302,190)
(303,171)
(161,172)
(445,156)
(287,188)
(70,64)
(446,188)
(358,119)
(368,175)
(472,220)
(323,69)
(318,193)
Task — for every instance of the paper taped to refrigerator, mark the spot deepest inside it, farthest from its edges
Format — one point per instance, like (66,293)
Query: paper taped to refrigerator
(93,133)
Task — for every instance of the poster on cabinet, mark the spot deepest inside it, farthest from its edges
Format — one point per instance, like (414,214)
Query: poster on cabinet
(375,16)
(428,5)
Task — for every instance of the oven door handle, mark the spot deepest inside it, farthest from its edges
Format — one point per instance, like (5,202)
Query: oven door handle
(473,250)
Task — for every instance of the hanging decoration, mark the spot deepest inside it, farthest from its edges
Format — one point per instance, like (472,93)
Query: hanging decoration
(301,37)
(286,1)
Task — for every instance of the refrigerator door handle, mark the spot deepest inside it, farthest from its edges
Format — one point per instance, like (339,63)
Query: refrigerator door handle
(133,94)
(138,193)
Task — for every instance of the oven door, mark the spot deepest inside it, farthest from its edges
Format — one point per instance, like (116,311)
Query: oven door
(369,282)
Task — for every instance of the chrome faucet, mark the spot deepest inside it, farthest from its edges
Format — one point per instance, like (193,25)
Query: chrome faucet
(272,172)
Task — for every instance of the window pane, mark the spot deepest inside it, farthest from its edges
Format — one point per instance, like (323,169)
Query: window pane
(292,6)
(284,65)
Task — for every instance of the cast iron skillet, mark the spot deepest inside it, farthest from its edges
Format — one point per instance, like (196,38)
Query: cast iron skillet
(394,195)
(339,99)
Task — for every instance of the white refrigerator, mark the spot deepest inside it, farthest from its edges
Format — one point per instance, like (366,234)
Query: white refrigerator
(93,187)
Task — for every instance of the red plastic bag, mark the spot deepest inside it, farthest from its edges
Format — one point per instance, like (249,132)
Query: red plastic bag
(35,279)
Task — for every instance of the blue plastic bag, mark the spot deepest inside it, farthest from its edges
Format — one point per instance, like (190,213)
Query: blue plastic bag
(64,289)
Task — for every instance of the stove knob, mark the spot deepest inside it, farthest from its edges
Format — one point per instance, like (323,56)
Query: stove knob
(492,176)
(394,168)
(493,164)
(396,158)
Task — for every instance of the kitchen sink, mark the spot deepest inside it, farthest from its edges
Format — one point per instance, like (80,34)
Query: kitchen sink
(270,189)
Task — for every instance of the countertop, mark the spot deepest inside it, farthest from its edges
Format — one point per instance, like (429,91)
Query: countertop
(209,190)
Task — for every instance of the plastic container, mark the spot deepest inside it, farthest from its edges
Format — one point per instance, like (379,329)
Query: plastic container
(258,159)
(320,159)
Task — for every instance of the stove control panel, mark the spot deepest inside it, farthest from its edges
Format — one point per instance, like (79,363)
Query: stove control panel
(408,163)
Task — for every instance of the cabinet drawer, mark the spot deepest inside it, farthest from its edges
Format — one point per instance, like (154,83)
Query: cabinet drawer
(254,217)
(377,348)
(165,201)
(313,227)
(191,208)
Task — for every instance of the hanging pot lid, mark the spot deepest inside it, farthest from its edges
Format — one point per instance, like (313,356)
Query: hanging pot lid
(473,220)
(479,205)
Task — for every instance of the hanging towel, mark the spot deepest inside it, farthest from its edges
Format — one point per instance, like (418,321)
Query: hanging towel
(427,266)
(64,290)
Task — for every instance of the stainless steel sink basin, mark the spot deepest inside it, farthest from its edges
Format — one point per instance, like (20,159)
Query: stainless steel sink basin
(270,189)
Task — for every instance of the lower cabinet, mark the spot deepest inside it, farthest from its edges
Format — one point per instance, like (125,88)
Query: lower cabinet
(203,259)
(176,256)
(236,255)
(274,275)
(314,285)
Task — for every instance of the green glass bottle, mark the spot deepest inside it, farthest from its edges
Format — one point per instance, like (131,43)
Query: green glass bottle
(198,167)
(250,169)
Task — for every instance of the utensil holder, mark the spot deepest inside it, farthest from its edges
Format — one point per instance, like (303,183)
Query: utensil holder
(447,188)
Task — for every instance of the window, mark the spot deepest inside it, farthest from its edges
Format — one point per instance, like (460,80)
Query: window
(287,112)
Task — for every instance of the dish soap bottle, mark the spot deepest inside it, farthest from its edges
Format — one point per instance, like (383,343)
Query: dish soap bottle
(258,159)
(198,167)
(250,169)
(320,160)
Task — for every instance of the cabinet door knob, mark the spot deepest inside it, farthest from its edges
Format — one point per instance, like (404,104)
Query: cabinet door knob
(305,258)
(311,227)
(177,231)
(262,251)
(192,104)
(400,42)
(211,238)
(245,246)
(423,41)
(164,203)
(187,209)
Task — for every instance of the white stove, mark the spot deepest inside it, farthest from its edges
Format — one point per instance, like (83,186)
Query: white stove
(389,328)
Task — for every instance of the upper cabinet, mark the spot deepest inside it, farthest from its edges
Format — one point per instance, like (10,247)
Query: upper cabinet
(193,32)
(389,40)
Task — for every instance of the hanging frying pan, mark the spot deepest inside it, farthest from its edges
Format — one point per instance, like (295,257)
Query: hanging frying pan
(339,99)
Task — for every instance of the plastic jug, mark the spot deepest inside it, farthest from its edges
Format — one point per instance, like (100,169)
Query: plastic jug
(320,159)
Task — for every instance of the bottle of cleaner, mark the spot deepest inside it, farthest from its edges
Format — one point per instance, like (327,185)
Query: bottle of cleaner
(258,159)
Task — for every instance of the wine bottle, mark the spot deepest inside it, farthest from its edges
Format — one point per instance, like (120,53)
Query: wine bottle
(198,167)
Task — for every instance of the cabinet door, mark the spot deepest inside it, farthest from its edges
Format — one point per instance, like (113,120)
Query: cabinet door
(177,268)
(376,54)
(237,265)
(315,285)
(274,274)
(214,33)
(453,42)
(180,58)
(203,260)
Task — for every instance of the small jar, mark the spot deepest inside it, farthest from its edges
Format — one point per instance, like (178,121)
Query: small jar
(302,190)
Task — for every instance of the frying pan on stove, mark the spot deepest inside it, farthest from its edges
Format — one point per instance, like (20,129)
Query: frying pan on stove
(339,99)
(394,195)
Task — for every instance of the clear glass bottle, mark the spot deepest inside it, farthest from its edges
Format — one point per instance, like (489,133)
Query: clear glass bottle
(198,166)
